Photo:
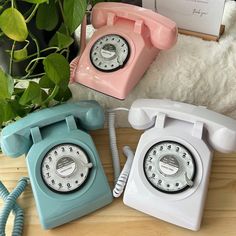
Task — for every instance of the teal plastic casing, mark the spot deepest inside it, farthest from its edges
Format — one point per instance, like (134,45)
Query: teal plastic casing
(40,131)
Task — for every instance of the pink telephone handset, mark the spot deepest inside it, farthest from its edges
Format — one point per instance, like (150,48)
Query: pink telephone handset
(127,40)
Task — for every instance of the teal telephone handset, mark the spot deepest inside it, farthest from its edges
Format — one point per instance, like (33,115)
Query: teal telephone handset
(65,171)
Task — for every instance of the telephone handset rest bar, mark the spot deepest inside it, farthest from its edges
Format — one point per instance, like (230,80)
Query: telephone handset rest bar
(163,31)
(221,129)
(15,138)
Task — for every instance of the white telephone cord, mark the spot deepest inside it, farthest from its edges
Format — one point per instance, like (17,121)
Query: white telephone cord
(120,179)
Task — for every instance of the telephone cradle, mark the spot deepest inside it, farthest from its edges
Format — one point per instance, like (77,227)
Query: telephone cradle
(128,38)
(65,171)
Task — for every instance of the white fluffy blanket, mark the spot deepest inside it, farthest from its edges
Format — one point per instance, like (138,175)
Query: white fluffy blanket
(194,71)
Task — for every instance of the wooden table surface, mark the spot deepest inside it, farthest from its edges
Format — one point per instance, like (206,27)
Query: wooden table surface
(117,219)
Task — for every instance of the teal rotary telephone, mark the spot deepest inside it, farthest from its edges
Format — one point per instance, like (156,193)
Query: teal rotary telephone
(65,171)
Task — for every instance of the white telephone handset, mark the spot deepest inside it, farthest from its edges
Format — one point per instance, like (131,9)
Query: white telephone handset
(221,129)
(171,167)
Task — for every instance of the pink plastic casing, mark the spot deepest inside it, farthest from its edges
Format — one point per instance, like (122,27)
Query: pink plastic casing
(146,33)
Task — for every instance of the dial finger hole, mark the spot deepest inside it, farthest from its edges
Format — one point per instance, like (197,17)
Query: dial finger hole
(62,174)
(169,167)
(109,51)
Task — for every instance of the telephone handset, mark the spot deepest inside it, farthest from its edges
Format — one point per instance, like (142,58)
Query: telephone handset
(171,167)
(65,171)
(144,112)
(127,40)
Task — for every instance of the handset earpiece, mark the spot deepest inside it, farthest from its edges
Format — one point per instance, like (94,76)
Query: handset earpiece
(139,119)
(163,37)
(89,122)
(15,145)
(223,140)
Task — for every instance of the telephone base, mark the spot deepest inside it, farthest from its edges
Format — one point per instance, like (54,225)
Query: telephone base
(56,208)
(119,83)
(184,208)
(78,211)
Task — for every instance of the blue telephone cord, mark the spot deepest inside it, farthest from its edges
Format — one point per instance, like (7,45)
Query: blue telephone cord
(11,205)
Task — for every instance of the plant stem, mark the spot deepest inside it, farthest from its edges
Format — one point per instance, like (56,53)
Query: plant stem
(66,50)
(36,75)
(32,14)
(5,3)
(35,54)
(50,48)
(63,16)
(12,3)
(67,30)
(30,71)
(11,57)
(52,95)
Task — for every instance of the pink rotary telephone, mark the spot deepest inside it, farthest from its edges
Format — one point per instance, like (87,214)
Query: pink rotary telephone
(127,41)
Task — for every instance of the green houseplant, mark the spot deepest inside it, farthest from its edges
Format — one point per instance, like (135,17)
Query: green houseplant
(43,61)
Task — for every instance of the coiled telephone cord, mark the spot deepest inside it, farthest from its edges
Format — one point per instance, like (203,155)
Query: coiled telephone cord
(123,178)
(120,179)
(11,205)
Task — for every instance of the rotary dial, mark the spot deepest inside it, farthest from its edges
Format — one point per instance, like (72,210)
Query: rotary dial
(169,167)
(65,168)
(109,53)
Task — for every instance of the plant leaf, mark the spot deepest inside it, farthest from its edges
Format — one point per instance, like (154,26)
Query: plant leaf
(36,1)
(45,82)
(1,118)
(57,69)
(62,95)
(47,16)
(61,40)
(38,100)
(18,108)
(18,91)
(20,54)
(44,95)
(74,11)
(6,111)
(6,85)
(62,29)
(12,24)
(32,93)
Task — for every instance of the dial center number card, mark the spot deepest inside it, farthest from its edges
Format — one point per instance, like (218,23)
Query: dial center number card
(204,16)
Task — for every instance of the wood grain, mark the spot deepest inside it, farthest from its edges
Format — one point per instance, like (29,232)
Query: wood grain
(219,215)
(207,37)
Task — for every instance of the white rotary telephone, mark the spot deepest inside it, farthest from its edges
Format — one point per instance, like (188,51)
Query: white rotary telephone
(171,167)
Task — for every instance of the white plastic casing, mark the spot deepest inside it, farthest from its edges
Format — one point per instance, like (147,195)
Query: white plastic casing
(221,129)
(190,126)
